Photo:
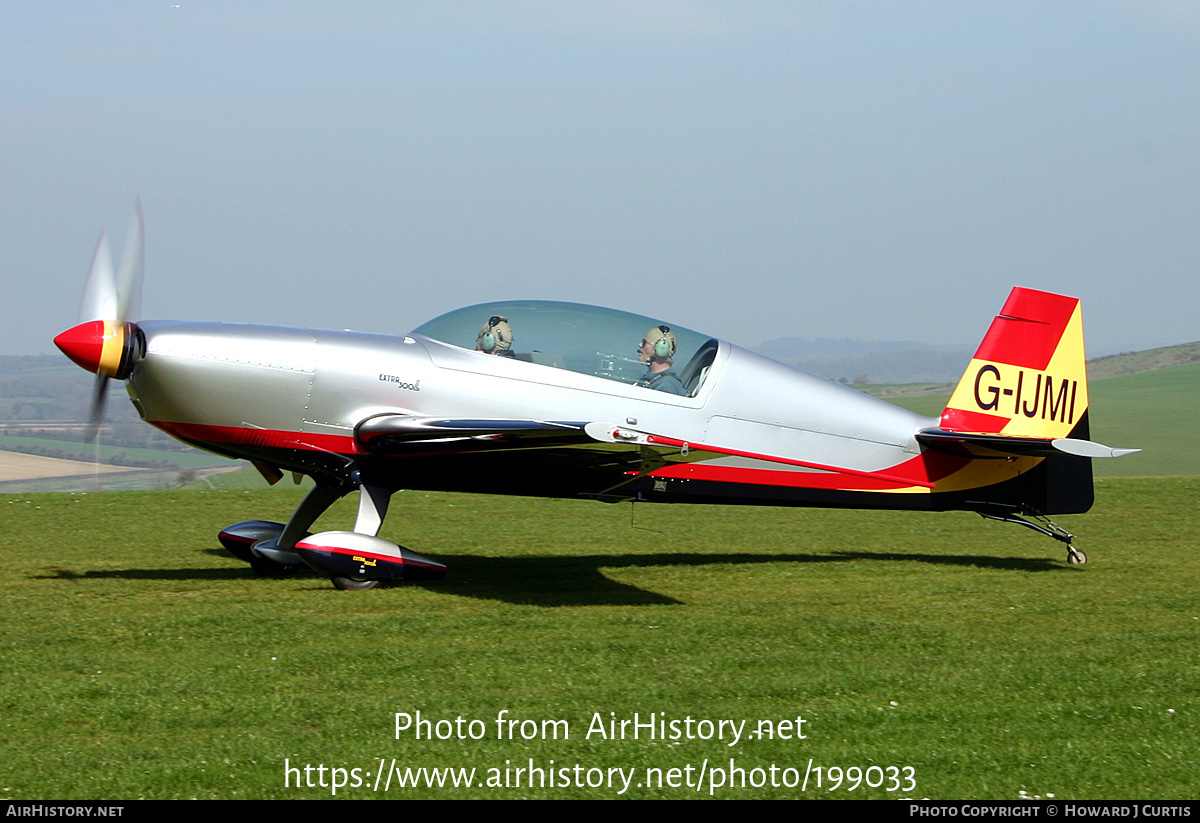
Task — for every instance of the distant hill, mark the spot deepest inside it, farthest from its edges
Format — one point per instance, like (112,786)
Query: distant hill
(49,389)
(33,364)
(870,361)
(1155,411)
(44,402)
(1120,365)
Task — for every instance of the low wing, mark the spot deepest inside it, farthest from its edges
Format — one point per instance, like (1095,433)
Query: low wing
(399,433)
(985,444)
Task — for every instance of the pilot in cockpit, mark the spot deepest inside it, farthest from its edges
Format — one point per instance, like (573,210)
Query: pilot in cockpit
(657,350)
(496,337)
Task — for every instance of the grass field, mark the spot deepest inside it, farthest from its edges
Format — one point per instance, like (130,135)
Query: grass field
(193,458)
(141,661)
(28,467)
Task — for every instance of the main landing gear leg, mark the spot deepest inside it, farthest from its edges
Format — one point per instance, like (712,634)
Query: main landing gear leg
(372,508)
(266,556)
(315,503)
(1047,527)
(269,546)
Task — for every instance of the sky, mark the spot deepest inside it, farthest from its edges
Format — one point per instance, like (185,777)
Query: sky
(751,170)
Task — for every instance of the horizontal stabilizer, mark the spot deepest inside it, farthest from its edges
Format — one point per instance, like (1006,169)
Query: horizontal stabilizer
(984,444)
(1089,448)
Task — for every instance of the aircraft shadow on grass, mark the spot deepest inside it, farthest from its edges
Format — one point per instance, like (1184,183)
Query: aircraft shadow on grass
(575,580)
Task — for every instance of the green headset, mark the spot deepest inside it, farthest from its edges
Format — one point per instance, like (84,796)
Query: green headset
(489,335)
(664,342)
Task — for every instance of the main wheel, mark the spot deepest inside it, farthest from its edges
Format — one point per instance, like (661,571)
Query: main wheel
(354,584)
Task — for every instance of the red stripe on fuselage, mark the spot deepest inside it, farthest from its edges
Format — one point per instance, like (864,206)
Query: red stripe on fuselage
(885,476)
(923,471)
(269,438)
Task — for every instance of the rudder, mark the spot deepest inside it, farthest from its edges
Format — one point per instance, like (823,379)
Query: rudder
(1029,376)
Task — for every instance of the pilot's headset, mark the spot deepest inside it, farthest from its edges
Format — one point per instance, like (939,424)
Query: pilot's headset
(663,340)
(496,335)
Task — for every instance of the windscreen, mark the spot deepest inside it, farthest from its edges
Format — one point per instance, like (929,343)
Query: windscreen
(601,342)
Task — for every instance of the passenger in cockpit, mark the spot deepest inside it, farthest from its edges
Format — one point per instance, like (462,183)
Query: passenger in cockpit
(496,337)
(657,351)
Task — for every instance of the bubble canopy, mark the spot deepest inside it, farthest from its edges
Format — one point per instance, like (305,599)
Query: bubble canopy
(584,339)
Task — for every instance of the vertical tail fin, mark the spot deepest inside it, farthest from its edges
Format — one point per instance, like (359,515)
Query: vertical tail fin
(1028,377)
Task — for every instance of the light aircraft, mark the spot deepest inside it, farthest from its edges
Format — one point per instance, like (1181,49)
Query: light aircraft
(564,400)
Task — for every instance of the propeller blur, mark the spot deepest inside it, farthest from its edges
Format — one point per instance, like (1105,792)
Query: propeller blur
(104,342)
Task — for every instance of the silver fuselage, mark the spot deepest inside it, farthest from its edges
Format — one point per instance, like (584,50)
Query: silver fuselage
(318,385)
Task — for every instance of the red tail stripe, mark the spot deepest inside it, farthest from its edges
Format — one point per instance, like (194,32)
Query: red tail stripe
(1028,329)
(961,420)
